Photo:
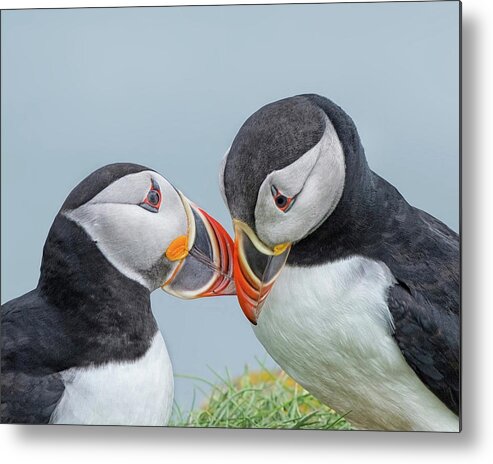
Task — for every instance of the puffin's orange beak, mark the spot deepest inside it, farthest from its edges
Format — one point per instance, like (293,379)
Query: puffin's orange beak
(205,258)
(256,268)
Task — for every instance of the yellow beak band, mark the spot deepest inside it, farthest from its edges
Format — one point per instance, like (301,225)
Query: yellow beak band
(260,246)
(178,248)
(281,248)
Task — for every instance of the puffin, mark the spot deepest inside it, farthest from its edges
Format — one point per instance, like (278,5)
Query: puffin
(83,347)
(350,289)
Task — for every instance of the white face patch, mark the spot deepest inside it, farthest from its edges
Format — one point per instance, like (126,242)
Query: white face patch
(132,238)
(316,181)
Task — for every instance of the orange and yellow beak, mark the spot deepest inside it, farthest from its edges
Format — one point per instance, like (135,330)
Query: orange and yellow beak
(205,258)
(256,268)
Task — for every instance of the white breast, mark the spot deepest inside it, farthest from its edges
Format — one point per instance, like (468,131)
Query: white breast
(329,328)
(125,393)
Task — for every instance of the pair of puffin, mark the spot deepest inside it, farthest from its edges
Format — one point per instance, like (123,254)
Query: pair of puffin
(83,347)
(354,292)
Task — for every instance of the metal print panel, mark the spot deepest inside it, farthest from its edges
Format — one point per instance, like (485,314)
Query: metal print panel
(315,286)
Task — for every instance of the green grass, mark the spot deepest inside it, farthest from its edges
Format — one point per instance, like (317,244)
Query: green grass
(260,399)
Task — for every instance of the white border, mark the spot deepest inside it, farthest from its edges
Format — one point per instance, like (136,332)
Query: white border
(39,444)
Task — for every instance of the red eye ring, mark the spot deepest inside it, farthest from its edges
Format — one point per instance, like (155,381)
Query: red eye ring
(153,199)
(282,202)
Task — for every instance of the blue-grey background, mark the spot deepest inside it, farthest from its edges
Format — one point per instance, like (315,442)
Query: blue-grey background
(170,87)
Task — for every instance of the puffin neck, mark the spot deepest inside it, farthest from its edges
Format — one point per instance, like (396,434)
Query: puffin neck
(93,298)
(364,203)
(347,223)
(347,226)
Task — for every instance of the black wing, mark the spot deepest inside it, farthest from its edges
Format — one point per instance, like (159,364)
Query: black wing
(29,399)
(31,385)
(425,307)
(429,340)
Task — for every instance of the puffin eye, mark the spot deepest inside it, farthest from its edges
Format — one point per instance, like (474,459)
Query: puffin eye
(152,201)
(283,202)
(153,198)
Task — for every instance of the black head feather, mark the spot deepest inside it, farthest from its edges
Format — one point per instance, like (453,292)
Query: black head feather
(98,181)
